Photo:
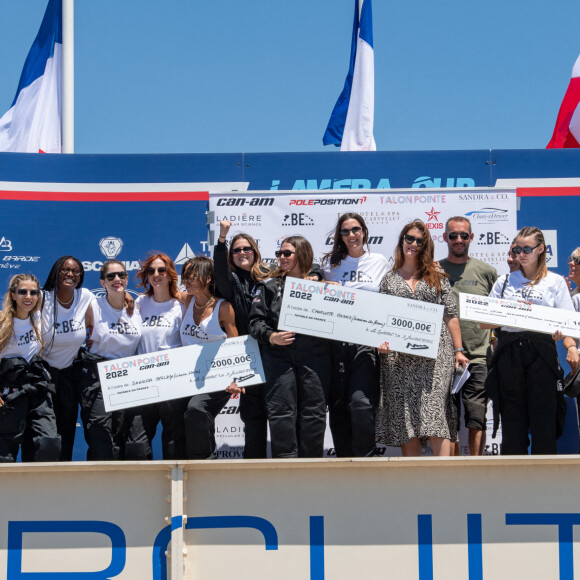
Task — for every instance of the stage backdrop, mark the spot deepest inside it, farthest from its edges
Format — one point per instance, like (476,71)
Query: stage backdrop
(272,216)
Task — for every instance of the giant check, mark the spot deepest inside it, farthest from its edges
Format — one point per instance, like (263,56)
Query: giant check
(362,317)
(180,372)
(519,315)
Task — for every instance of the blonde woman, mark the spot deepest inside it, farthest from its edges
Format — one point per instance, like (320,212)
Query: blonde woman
(527,362)
(25,402)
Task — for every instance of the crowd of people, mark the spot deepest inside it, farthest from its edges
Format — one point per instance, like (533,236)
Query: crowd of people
(51,340)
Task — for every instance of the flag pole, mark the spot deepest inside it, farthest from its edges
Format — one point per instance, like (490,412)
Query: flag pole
(68,77)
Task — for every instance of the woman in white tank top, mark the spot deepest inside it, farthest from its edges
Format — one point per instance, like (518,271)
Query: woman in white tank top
(207,319)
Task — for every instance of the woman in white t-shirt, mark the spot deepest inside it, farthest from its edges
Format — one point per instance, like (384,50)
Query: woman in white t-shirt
(354,390)
(115,333)
(207,319)
(161,312)
(25,402)
(526,363)
(64,331)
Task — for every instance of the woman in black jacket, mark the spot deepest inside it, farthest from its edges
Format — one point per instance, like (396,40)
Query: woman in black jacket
(238,268)
(297,366)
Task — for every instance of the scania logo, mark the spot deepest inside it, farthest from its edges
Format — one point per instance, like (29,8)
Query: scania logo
(111,247)
(239,201)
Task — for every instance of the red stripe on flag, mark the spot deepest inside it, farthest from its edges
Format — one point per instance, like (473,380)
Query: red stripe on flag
(105,195)
(562,137)
(547,191)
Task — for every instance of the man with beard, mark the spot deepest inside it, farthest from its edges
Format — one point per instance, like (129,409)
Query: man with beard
(471,276)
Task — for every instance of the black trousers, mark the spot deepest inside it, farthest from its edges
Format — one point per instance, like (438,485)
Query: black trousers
(103,429)
(32,415)
(200,413)
(527,376)
(140,426)
(253,414)
(352,400)
(298,377)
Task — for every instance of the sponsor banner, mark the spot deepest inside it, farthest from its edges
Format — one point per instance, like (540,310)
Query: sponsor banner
(180,372)
(37,231)
(368,318)
(271,216)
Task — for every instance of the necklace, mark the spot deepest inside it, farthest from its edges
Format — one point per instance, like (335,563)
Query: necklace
(205,305)
(65,303)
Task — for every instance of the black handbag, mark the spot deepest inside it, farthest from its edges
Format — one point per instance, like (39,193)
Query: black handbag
(572,384)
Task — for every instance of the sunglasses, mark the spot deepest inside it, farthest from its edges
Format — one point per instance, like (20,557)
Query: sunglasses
(410,239)
(526,249)
(285,253)
(245,249)
(24,292)
(576,259)
(356,231)
(75,272)
(111,275)
(454,235)
(162,271)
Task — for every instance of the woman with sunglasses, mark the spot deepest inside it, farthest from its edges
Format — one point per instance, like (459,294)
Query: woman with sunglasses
(115,333)
(25,401)
(207,319)
(527,362)
(416,399)
(354,391)
(64,331)
(161,312)
(297,366)
(238,269)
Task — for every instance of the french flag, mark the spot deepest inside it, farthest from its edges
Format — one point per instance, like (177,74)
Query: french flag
(567,130)
(351,121)
(33,122)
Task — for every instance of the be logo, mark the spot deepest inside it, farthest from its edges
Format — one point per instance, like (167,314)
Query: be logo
(297,219)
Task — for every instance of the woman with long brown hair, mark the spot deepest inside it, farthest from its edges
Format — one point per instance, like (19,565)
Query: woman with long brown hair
(25,401)
(354,390)
(415,399)
(238,270)
(297,366)
(526,362)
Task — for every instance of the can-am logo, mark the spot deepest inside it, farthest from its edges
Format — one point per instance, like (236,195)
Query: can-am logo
(239,201)
(111,247)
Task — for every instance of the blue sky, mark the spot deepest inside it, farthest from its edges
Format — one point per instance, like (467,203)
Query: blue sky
(192,76)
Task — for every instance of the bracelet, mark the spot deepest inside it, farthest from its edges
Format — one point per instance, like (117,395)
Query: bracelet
(270,339)
(569,347)
(220,237)
(460,349)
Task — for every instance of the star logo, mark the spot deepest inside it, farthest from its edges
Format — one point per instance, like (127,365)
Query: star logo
(433,214)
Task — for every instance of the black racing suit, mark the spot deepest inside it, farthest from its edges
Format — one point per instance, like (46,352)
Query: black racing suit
(27,412)
(238,287)
(297,379)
